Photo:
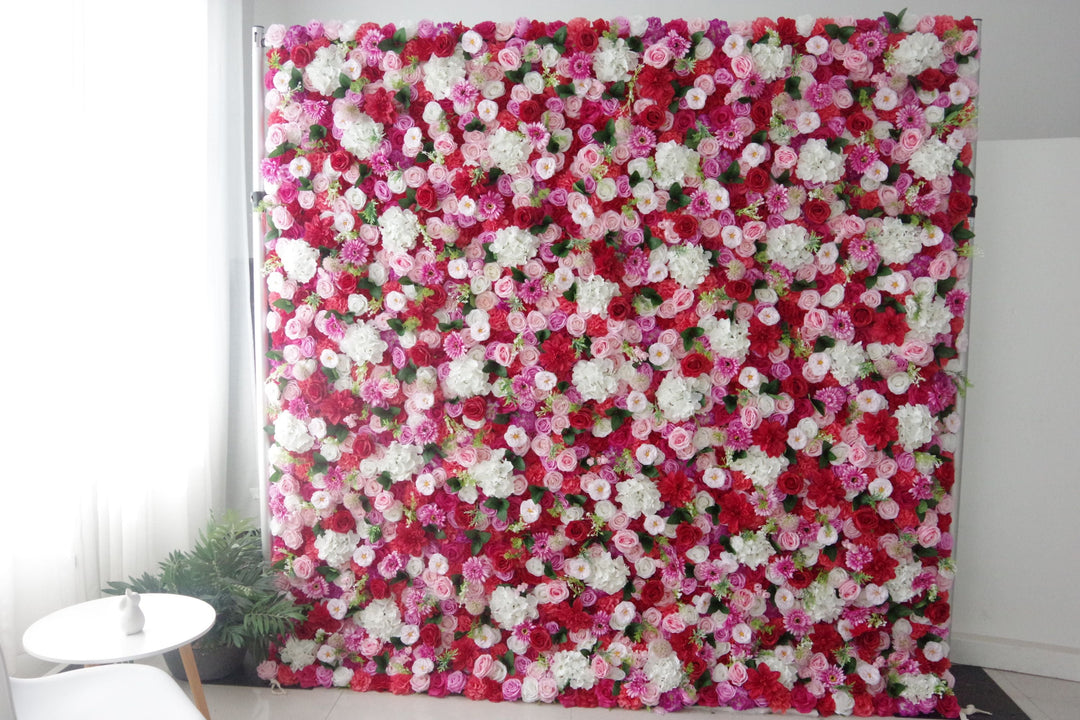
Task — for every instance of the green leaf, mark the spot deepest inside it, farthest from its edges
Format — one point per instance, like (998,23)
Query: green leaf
(316,132)
(537,493)
(731,404)
(571,294)
(479,539)
(283,304)
(607,135)
(690,334)
(281,149)
(651,294)
(731,175)
(946,285)
(824,343)
(565,91)
(651,240)
(791,87)
(396,325)
(894,20)
(407,374)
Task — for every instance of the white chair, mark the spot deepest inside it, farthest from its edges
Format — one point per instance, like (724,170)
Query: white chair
(106,692)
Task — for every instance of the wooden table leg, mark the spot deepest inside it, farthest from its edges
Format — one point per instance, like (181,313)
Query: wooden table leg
(192,670)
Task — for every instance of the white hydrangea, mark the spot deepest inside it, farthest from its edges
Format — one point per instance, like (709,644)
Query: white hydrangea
(817,164)
(607,574)
(674,161)
(822,603)
(919,687)
(770,60)
(382,619)
(752,551)
(927,315)
(664,672)
(898,242)
(400,228)
(846,360)
(336,549)
(688,265)
(509,150)
(514,246)
(466,378)
(363,344)
(901,588)
(915,425)
(613,61)
(494,476)
(727,338)
(637,496)
(362,137)
(594,295)
(595,379)
(915,53)
(297,653)
(298,259)
(401,461)
(509,608)
(572,668)
(760,468)
(677,398)
(292,434)
(324,70)
(789,245)
(932,159)
(442,74)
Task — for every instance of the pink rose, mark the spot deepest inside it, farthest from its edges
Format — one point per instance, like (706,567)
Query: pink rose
(576,325)
(657,55)
(849,590)
(911,139)
(789,540)
(566,460)
(482,666)
(785,157)
(503,354)
(928,535)
(737,674)
(680,439)
(619,521)
(888,509)
(509,58)
(742,66)
(303,567)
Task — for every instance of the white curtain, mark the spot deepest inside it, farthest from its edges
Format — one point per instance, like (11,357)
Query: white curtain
(121,273)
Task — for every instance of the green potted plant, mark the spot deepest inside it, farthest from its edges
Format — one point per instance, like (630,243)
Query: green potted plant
(226,568)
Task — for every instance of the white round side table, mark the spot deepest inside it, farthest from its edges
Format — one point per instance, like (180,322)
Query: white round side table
(89,634)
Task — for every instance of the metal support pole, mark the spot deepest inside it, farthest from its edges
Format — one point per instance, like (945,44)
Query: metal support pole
(258,287)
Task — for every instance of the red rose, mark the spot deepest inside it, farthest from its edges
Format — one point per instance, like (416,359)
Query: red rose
(695,364)
(301,55)
(652,592)
(581,420)
(817,211)
(431,636)
(937,612)
(686,226)
(619,308)
(530,111)
(652,117)
(379,588)
(948,706)
(859,124)
(866,520)
(790,483)
(340,161)
(757,180)
(475,408)
(932,79)
(684,121)
(363,445)
(578,530)
(686,537)
(443,45)
(421,356)
(341,522)
(540,639)
(960,204)
(426,197)
(586,40)
(739,289)
(401,684)
(861,316)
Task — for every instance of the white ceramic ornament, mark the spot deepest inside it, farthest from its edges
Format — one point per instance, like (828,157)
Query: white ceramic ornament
(131,616)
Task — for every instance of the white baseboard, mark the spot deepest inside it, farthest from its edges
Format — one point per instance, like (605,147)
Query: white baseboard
(1047,660)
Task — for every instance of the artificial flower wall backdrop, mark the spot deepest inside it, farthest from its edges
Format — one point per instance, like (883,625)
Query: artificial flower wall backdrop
(614,362)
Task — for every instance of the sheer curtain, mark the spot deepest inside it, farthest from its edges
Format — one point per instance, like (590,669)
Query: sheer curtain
(120,335)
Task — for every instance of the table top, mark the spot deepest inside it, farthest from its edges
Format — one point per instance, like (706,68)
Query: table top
(89,633)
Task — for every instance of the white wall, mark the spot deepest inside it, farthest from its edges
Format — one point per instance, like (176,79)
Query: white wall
(1018,583)
(1018,577)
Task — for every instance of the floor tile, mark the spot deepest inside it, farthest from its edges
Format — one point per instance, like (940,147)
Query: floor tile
(1041,697)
